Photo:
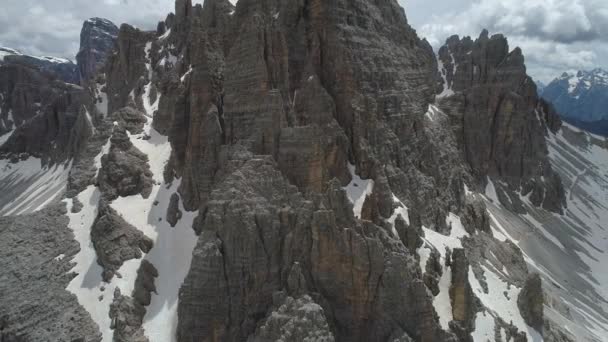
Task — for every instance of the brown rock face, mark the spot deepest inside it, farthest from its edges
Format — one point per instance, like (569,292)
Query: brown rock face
(464,305)
(357,270)
(498,118)
(265,106)
(125,69)
(264,109)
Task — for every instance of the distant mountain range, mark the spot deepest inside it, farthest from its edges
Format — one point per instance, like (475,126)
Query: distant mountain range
(62,68)
(96,39)
(581,99)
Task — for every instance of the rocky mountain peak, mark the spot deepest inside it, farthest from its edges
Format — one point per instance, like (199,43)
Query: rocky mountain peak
(97,39)
(498,117)
(61,68)
(580,97)
(289,170)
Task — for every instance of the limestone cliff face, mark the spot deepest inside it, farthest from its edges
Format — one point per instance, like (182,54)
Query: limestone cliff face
(265,104)
(498,118)
(97,39)
(277,114)
(41,116)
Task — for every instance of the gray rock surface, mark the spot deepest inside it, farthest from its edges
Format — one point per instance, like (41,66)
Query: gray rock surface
(127,312)
(127,318)
(432,272)
(130,118)
(36,252)
(48,118)
(116,241)
(410,235)
(265,106)
(499,119)
(340,263)
(174,214)
(475,217)
(531,302)
(97,39)
(124,170)
(294,320)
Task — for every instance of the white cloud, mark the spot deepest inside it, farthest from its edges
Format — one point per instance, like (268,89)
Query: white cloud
(555,35)
(51,27)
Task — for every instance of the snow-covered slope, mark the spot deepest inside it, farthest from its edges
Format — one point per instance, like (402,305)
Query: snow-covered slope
(172,251)
(28,186)
(570,251)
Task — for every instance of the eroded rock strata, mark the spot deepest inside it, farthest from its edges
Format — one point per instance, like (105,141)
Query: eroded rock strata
(332,175)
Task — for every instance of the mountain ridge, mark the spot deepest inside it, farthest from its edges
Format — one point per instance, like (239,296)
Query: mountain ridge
(581,97)
(308,171)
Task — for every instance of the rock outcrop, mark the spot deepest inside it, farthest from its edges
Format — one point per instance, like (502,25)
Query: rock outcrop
(116,241)
(410,235)
(127,312)
(97,39)
(475,216)
(498,119)
(130,118)
(174,214)
(250,215)
(36,252)
(531,302)
(127,318)
(44,117)
(302,133)
(124,170)
(464,303)
(294,320)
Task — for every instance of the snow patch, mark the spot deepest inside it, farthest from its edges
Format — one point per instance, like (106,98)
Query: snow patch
(4,138)
(171,255)
(447,88)
(92,293)
(491,192)
(440,242)
(432,112)
(501,300)
(183,78)
(357,190)
(442,302)
(101,102)
(484,327)
(402,211)
(165,35)
(104,150)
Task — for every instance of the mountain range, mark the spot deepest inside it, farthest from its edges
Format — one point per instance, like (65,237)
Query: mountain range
(581,99)
(295,171)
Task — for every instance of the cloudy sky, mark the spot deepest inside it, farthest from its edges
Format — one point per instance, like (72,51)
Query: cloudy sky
(556,35)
